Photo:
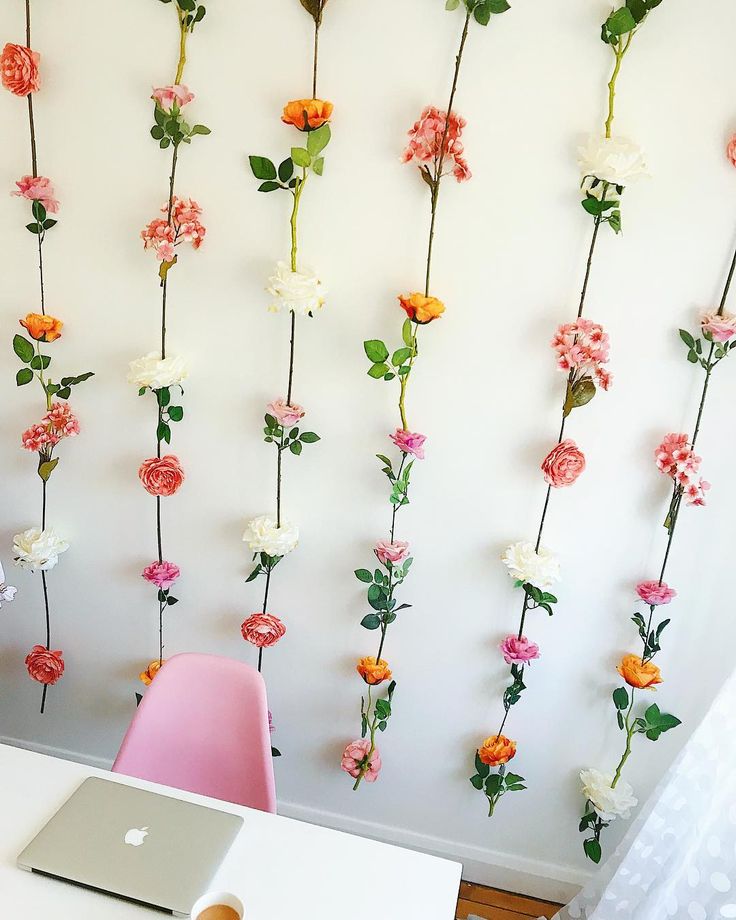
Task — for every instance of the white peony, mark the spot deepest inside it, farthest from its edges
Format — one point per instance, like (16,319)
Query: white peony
(300,291)
(37,549)
(608,802)
(263,536)
(612,159)
(153,371)
(7,592)
(525,564)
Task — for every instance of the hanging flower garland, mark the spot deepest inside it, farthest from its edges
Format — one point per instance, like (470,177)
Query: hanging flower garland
(608,165)
(435,147)
(159,372)
(38,548)
(298,290)
(608,796)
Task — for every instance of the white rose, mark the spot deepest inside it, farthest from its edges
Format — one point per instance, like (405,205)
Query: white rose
(37,549)
(263,536)
(608,802)
(153,371)
(300,291)
(540,569)
(612,159)
(7,592)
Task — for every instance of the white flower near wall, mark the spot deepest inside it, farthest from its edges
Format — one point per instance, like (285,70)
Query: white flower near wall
(38,550)
(7,592)
(300,291)
(264,536)
(609,801)
(526,565)
(154,372)
(616,160)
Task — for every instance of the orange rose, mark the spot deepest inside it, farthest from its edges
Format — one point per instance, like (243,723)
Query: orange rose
(151,671)
(42,328)
(19,69)
(371,672)
(497,750)
(307,114)
(421,309)
(640,674)
(161,476)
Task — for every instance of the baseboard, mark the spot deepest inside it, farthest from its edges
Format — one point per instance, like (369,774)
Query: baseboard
(531,877)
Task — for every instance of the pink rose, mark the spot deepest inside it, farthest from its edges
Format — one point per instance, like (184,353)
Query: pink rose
(409,442)
(285,415)
(518,651)
(44,665)
(19,70)
(161,476)
(391,552)
(563,464)
(719,327)
(263,630)
(168,96)
(353,760)
(654,593)
(38,188)
(731,150)
(161,574)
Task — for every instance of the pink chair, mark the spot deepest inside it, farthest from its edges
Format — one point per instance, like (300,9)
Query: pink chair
(202,726)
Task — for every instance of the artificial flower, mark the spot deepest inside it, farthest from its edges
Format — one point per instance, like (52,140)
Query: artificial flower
(525,564)
(373,672)
(421,309)
(44,665)
(37,438)
(393,552)
(563,464)
(166,97)
(7,592)
(643,675)
(425,142)
(151,671)
(655,593)
(518,650)
(611,159)
(262,630)
(286,415)
(719,327)
(356,762)
(609,801)
(42,328)
(301,291)
(582,349)
(61,421)
(731,150)
(263,535)
(497,750)
(37,188)
(161,476)
(677,459)
(184,226)
(409,442)
(161,574)
(156,372)
(38,550)
(307,114)
(19,69)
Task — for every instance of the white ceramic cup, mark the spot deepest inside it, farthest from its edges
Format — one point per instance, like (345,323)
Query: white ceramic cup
(217,897)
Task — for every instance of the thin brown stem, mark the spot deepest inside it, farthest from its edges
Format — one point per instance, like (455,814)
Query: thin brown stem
(32,129)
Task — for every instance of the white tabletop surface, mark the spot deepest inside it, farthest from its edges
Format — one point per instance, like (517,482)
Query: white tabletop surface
(281,869)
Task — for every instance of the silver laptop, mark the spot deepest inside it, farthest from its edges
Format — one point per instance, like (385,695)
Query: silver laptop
(137,845)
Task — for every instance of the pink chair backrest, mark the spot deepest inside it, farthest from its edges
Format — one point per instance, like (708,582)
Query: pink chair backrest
(202,726)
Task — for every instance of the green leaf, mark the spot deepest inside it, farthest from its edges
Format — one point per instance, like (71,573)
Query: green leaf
(377,371)
(38,211)
(262,168)
(620,698)
(318,139)
(24,376)
(23,348)
(295,447)
(319,166)
(400,355)
(286,169)
(371,621)
(34,228)
(407,333)
(315,9)
(40,362)
(364,575)
(482,768)
(482,12)
(269,186)
(620,22)
(46,468)
(176,413)
(592,850)
(499,6)
(301,157)
(692,357)
(453,5)
(639,9)
(477,781)
(494,784)
(579,395)
(163,433)
(157,132)
(200,129)
(309,437)
(375,350)
(687,338)
(49,223)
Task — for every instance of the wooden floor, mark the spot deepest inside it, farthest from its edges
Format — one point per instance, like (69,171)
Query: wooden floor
(500,905)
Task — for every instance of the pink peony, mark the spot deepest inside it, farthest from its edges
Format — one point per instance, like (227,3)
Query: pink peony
(37,188)
(168,96)
(655,593)
(263,630)
(518,651)
(425,142)
(353,760)
(731,150)
(161,574)
(719,327)
(161,476)
(44,665)
(391,552)
(285,415)
(409,442)
(19,70)
(563,464)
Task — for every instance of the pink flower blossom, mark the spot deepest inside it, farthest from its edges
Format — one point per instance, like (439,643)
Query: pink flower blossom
(168,96)
(518,651)
(655,593)
(184,227)
(285,415)
(425,143)
(38,188)
(672,449)
(354,760)
(262,630)
(563,464)
(695,492)
(37,437)
(61,421)
(731,150)
(676,459)
(44,665)
(582,349)
(409,442)
(161,574)
(391,552)
(719,327)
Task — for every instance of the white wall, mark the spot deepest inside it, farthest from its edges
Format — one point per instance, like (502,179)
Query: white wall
(510,255)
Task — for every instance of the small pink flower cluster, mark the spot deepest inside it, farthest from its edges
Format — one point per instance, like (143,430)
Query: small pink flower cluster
(38,188)
(425,141)
(58,423)
(676,459)
(184,227)
(582,348)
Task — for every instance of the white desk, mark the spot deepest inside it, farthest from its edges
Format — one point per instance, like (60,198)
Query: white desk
(281,869)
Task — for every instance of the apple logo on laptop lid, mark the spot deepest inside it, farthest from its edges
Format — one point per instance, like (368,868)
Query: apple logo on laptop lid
(136,836)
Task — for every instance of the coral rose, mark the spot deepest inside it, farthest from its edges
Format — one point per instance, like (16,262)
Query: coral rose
(655,593)
(563,464)
(263,630)
(161,476)
(44,665)
(497,750)
(421,309)
(307,114)
(355,760)
(19,69)
(42,328)
(151,671)
(640,674)
(371,672)
(38,188)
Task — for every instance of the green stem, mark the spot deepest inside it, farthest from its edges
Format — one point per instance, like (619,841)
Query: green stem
(619,51)
(373,727)
(183,32)
(629,735)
